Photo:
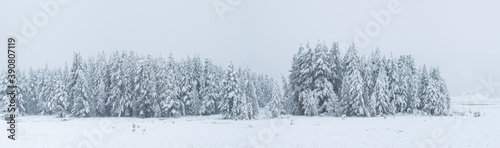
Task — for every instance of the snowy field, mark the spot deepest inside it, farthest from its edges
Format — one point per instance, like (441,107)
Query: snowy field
(289,132)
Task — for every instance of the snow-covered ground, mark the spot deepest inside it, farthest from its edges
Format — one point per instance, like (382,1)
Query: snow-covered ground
(290,132)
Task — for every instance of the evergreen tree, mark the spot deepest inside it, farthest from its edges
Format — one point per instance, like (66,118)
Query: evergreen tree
(120,98)
(170,103)
(81,106)
(231,93)
(398,100)
(335,65)
(145,89)
(209,90)
(249,90)
(100,91)
(59,101)
(380,96)
(352,86)
(323,89)
(287,93)
(276,104)
(5,99)
(368,84)
(441,104)
(423,85)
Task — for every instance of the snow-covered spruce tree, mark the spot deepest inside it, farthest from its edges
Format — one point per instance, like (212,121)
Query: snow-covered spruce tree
(120,98)
(79,90)
(294,82)
(73,77)
(405,77)
(170,103)
(430,94)
(240,105)
(352,86)
(307,99)
(130,66)
(276,104)
(59,101)
(209,90)
(145,89)
(287,93)
(442,103)
(335,65)
(307,96)
(100,91)
(4,98)
(30,92)
(189,87)
(368,84)
(91,71)
(230,94)
(249,92)
(46,92)
(323,89)
(374,66)
(412,81)
(423,83)
(398,99)
(21,101)
(380,96)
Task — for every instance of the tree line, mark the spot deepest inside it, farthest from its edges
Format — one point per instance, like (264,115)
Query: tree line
(322,82)
(131,85)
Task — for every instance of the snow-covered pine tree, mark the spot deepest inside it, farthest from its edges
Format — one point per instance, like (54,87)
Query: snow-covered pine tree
(352,85)
(287,94)
(4,98)
(59,101)
(21,101)
(100,91)
(119,100)
(230,92)
(209,89)
(79,90)
(145,89)
(170,102)
(366,73)
(335,65)
(400,86)
(308,97)
(323,89)
(157,68)
(398,100)
(380,96)
(240,107)
(73,77)
(250,94)
(442,102)
(129,65)
(294,82)
(375,66)
(46,91)
(276,103)
(189,87)
(91,71)
(431,96)
(30,92)
(423,84)
(412,81)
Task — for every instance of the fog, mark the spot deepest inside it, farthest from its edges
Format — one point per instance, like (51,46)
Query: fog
(461,37)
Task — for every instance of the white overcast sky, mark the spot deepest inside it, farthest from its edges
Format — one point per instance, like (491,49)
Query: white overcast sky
(459,36)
